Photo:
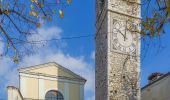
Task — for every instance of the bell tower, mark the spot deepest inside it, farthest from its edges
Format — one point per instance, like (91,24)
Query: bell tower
(118,49)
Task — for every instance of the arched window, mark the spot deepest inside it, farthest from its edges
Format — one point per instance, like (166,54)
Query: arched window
(54,95)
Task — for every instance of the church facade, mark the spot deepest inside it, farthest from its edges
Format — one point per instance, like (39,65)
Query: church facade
(48,81)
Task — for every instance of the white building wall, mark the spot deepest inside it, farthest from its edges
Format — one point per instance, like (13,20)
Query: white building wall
(159,90)
(13,93)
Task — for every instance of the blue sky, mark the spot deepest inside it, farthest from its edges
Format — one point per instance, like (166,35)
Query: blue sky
(79,20)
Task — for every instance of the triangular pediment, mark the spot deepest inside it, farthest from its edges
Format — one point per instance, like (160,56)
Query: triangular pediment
(51,69)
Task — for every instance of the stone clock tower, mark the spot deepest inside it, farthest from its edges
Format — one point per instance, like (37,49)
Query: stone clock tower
(118,49)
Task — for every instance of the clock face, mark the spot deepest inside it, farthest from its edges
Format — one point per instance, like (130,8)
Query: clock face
(123,36)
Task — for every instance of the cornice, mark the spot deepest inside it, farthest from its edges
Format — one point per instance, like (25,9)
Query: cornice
(52,77)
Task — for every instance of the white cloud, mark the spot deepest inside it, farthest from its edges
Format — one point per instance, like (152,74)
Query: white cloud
(49,54)
(12,78)
(4,65)
(7,72)
(45,33)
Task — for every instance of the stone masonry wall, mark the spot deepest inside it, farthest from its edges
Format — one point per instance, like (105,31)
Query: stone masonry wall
(101,61)
(117,74)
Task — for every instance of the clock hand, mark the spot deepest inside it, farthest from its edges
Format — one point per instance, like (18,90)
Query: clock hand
(121,34)
(125,31)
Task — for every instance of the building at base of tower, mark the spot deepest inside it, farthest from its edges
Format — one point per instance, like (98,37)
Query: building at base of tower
(48,81)
(158,87)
